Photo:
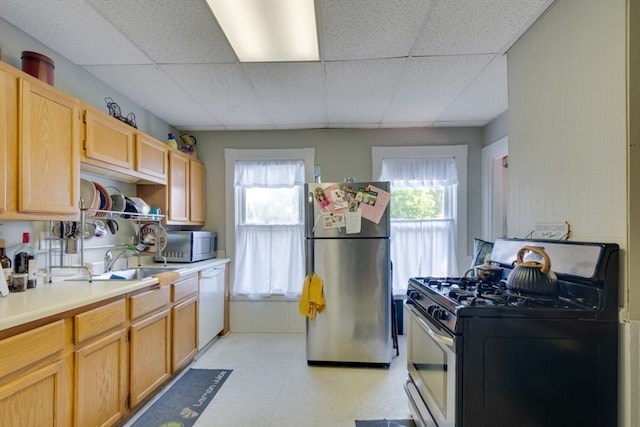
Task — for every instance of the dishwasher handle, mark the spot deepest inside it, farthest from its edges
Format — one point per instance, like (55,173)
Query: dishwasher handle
(212,272)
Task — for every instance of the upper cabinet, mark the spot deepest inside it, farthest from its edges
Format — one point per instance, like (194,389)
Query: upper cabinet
(182,201)
(39,139)
(115,149)
(107,142)
(152,157)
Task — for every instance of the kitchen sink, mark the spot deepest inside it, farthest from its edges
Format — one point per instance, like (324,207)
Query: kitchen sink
(127,274)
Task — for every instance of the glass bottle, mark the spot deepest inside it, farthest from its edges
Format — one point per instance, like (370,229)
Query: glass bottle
(5,261)
(24,261)
(316,173)
(171,141)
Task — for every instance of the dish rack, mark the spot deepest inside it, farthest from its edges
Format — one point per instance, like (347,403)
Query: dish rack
(79,241)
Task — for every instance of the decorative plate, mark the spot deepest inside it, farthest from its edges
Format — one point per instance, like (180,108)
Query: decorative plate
(158,237)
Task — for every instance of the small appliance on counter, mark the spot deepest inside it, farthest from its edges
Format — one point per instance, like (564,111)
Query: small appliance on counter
(189,246)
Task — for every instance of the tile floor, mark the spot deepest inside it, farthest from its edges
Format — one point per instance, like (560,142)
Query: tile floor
(272,386)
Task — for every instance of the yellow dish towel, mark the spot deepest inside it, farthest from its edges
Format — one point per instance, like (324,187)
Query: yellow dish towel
(312,299)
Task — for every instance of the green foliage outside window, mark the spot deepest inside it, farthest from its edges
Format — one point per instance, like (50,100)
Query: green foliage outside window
(417,203)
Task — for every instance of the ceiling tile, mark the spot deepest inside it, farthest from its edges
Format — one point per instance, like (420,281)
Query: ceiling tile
(485,98)
(222,90)
(146,84)
(292,92)
(471,26)
(169,31)
(73,29)
(427,87)
(365,29)
(359,91)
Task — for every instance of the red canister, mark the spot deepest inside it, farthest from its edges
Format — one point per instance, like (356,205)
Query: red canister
(38,65)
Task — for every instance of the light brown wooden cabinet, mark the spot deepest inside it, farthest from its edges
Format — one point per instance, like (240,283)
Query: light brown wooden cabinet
(183,200)
(113,148)
(34,378)
(40,138)
(184,325)
(101,358)
(150,343)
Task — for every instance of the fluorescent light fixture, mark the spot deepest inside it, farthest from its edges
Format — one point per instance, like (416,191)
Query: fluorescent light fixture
(269,30)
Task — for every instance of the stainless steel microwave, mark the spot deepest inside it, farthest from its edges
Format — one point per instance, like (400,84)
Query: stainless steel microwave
(190,246)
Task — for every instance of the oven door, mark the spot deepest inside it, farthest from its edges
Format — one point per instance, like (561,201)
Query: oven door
(431,361)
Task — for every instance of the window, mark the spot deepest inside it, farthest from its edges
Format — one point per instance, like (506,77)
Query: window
(267,227)
(425,214)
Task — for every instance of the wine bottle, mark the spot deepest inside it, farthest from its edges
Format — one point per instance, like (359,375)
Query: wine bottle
(5,261)
(24,261)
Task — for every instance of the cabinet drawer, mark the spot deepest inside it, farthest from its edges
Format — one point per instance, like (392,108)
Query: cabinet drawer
(184,288)
(149,301)
(94,322)
(30,347)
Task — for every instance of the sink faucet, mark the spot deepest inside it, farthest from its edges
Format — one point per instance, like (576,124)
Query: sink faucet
(110,260)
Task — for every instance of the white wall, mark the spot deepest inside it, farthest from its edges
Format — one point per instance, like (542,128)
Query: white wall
(568,141)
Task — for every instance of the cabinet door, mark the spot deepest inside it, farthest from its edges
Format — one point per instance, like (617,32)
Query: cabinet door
(49,168)
(178,187)
(108,142)
(150,355)
(4,139)
(197,193)
(101,381)
(184,333)
(39,398)
(152,158)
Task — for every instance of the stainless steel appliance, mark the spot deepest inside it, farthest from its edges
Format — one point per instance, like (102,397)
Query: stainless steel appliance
(190,246)
(355,327)
(482,355)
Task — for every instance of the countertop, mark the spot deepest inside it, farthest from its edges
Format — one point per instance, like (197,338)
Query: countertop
(50,299)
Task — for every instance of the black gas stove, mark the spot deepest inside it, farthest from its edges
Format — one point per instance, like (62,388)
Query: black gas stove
(481,354)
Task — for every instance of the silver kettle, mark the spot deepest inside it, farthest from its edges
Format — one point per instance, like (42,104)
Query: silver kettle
(532,277)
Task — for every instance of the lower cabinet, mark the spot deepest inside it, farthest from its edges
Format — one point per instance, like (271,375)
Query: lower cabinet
(35,389)
(100,368)
(184,323)
(92,367)
(149,344)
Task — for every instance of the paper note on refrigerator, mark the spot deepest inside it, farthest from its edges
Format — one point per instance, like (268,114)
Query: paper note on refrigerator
(353,221)
(373,202)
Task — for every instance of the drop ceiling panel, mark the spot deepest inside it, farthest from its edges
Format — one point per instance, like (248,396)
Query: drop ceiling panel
(384,63)
(359,91)
(467,27)
(484,99)
(426,88)
(73,29)
(361,29)
(293,93)
(170,32)
(143,84)
(223,91)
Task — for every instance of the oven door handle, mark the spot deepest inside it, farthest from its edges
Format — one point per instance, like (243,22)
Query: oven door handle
(447,341)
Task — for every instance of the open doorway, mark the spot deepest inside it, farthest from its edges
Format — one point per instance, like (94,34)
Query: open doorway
(495,181)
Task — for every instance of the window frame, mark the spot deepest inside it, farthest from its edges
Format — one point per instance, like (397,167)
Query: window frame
(231,155)
(460,153)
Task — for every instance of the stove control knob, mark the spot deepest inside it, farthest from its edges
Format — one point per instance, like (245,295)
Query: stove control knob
(440,314)
(413,295)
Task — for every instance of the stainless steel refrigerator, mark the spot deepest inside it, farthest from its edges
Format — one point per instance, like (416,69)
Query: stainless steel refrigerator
(350,253)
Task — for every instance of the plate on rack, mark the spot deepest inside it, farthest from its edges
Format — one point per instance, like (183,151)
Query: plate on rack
(158,236)
(88,194)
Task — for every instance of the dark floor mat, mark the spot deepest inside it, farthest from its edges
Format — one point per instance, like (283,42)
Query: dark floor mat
(385,423)
(186,399)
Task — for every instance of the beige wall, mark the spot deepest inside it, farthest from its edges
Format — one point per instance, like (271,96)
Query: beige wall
(340,153)
(568,142)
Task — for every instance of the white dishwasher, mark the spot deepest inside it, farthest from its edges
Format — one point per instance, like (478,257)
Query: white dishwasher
(211,310)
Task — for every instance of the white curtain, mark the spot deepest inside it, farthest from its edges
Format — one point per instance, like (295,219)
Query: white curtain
(269,258)
(424,247)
